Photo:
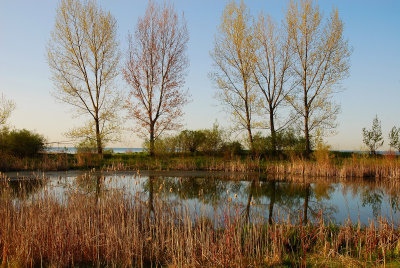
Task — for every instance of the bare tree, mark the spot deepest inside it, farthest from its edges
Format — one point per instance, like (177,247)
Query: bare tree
(234,58)
(156,70)
(83,57)
(272,71)
(6,108)
(321,61)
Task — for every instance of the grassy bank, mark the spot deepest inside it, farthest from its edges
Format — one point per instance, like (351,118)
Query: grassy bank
(118,229)
(327,165)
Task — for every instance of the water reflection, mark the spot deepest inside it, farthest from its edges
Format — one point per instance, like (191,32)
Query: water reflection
(252,194)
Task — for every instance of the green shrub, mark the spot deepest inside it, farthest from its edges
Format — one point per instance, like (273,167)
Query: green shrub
(286,141)
(232,148)
(86,146)
(191,140)
(21,143)
(214,139)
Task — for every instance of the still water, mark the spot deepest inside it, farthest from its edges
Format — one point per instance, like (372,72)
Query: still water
(254,195)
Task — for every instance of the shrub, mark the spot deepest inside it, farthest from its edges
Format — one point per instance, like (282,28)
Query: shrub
(232,148)
(191,140)
(86,146)
(286,141)
(214,139)
(167,144)
(21,143)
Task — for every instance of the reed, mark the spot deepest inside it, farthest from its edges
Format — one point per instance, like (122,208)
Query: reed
(325,166)
(115,228)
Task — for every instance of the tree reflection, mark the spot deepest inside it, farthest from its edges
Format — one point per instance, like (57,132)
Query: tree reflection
(305,201)
(150,201)
(22,188)
(91,184)
(251,192)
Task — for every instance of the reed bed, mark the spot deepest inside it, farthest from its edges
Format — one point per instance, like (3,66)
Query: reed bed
(120,229)
(358,166)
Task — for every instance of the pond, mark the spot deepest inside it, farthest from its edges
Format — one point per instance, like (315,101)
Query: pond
(250,194)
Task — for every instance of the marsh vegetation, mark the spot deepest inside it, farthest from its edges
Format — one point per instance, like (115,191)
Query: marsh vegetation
(193,219)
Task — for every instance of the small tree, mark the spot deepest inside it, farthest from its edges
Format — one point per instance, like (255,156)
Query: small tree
(394,139)
(373,137)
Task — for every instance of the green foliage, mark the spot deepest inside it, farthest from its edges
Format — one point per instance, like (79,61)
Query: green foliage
(215,138)
(191,140)
(167,144)
(394,140)
(322,154)
(261,144)
(232,148)
(287,140)
(21,143)
(373,137)
(86,146)
(205,140)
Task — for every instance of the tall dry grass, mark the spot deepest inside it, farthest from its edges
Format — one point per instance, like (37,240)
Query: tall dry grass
(323,164)
(384,168)
(114,228)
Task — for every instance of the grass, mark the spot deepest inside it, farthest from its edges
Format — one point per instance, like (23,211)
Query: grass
(115,228)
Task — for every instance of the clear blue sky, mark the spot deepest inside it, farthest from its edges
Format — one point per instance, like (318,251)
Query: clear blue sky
(372,28)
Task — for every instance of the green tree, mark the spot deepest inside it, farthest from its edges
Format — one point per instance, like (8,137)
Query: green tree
(83,57)
(394,139)
(373,137)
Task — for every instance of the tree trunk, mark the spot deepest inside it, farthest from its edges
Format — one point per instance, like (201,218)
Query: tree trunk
(307,150)
(250,139)
(273,132)
(152,139)
(98,138)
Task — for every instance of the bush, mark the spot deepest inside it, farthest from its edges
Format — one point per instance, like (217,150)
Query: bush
(86,146)
(21,143)
(232,148)
(286,141)
(214,139)
(167,144)
(208,141)
(191,140)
